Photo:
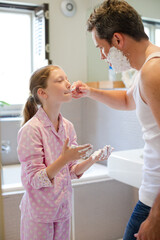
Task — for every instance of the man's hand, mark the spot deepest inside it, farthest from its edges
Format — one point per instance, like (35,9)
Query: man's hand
(149,230)
(80,89)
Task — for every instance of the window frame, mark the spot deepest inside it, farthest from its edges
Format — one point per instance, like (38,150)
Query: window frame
(152,24)
(14,110)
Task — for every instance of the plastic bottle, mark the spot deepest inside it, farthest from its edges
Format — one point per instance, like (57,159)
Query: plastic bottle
(111,74)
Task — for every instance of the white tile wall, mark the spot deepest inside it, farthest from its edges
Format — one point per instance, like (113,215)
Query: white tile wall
(98,124)
(102,125)
(73,112)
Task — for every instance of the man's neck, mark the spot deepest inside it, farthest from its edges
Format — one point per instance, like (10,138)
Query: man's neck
(138,53)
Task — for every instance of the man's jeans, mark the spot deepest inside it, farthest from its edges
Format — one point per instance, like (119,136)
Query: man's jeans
(139,215)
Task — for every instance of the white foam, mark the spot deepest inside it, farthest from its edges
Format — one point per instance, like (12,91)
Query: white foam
(118,60)
(89,150)
(104,152)
(72,88)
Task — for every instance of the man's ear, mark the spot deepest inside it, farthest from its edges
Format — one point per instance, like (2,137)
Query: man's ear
(118,40)
(41,93)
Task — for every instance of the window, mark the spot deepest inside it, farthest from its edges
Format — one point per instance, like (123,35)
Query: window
(152,29)
(24,47)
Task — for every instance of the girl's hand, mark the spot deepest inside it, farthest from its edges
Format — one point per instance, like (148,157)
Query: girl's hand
(102,154)
(74,153)
(80,89)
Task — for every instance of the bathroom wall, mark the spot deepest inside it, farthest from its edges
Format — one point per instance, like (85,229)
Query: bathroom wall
(150,10)
(102,125)
(99,125)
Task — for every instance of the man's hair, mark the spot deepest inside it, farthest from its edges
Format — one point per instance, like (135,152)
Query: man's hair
(116,16)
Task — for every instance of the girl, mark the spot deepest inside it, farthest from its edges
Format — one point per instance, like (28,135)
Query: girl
(47,159)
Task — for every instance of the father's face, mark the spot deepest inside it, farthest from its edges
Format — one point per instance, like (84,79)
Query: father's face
(102,44)
(112,54)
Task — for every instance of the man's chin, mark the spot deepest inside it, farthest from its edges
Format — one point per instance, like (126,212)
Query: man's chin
(120,70)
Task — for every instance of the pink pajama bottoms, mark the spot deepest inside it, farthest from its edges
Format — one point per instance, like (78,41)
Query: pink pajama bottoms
(31,230)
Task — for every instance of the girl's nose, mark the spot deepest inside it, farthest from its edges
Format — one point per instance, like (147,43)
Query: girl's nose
(68,84)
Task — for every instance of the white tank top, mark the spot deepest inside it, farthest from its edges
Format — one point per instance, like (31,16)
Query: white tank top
(151,134)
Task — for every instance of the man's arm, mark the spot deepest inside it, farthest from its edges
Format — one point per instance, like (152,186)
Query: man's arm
(150,228)
(117,99)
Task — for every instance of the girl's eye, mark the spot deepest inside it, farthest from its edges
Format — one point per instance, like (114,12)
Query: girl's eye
(60,80)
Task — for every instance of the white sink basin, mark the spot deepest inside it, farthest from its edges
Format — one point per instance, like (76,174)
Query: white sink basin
(126,166)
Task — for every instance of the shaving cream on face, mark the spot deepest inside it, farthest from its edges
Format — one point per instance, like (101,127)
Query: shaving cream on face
(118,60)
(105,152)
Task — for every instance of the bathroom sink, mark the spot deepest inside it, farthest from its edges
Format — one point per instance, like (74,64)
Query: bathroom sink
(126,166)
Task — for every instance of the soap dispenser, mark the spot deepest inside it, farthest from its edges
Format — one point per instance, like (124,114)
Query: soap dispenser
(111,74)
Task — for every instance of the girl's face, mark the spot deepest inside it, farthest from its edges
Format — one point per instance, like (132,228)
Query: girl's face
(58,87)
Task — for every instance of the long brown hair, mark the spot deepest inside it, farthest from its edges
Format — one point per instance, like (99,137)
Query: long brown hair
(38,80)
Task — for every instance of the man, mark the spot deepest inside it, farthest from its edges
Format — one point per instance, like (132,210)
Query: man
(118,33)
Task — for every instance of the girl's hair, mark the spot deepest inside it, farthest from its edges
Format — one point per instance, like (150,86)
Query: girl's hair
(38,80)
(116,16)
